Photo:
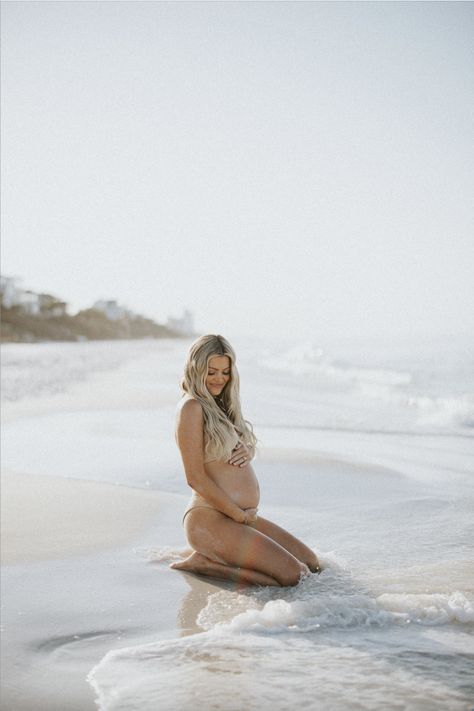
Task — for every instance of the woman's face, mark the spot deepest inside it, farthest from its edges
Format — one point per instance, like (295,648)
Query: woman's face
(218,374)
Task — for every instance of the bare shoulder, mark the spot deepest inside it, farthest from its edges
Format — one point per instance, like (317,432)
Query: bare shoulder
(189,427)
(189,410)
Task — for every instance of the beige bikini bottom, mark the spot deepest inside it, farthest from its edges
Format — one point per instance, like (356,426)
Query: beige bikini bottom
(197,502)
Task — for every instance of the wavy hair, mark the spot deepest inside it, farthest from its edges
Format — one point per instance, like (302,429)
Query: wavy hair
(222,414)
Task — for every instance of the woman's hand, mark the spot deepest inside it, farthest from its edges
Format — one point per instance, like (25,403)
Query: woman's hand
(251,516)
(241,454)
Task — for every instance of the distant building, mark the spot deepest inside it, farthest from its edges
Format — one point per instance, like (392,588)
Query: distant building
(12,295)
(29,303)
(51,306)
(111,309)
(183,325)
(10,291)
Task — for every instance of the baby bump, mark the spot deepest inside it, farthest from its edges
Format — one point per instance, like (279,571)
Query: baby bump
(240,484)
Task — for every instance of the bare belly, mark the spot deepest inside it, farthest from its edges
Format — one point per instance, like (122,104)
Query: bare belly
(240,484)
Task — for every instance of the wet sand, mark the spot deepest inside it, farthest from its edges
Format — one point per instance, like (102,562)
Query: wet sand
(74,586)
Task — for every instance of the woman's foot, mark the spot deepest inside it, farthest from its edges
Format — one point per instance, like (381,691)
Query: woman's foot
(195,563)
(198,563)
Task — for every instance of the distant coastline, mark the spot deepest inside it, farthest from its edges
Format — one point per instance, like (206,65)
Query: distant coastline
(87,325)
(28,317)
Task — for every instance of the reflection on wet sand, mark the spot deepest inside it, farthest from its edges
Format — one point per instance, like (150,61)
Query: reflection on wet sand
(196,599)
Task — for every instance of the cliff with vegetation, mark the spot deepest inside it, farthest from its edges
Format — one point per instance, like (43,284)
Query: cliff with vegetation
(87,325)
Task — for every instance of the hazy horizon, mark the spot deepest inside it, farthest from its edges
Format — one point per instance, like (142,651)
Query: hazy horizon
(303,168)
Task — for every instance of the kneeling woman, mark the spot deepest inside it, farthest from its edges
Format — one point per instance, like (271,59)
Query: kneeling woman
(230,541)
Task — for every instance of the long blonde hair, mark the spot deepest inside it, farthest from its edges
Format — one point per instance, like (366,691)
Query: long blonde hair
(223,414)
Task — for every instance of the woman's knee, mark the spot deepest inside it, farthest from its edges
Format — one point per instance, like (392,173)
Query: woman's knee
(293,573)
(312,562)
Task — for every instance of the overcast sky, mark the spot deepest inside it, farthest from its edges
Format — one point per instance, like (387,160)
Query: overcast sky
(294,167)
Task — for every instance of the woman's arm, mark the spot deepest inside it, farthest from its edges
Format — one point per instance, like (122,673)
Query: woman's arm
(190,438)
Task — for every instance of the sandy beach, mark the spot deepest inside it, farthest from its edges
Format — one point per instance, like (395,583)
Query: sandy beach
(83,574)
(92,498)
(74,580)
(74,586)
(46,518)
(289,178)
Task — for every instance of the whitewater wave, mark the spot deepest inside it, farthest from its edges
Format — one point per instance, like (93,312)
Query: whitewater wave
(251,637)
(402,404)
(270,638)
(330,600)
(310,360)
(259,673)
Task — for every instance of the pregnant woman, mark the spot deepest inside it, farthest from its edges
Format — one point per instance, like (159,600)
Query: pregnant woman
(230,541)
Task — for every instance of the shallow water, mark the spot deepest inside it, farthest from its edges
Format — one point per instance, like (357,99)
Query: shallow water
(366,454)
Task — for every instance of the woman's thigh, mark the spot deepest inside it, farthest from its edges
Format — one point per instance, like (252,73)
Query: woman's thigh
(220,538)
(292,544)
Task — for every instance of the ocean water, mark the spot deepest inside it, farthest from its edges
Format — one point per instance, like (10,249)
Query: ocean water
(366,453)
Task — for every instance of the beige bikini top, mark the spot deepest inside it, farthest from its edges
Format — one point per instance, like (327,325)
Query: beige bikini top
(214,459)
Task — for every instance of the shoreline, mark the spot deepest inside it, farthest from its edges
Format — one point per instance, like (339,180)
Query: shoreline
(86,557)
(75,586)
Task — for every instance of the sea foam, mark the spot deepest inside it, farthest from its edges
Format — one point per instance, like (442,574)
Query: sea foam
(330,600)
(248,655)
(237,669)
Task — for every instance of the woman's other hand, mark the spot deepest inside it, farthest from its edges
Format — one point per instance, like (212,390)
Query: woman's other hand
(241,454)
(251,516)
